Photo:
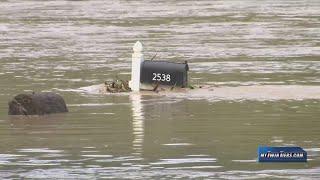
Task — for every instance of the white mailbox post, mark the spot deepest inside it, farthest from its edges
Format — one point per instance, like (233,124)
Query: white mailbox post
(137,59)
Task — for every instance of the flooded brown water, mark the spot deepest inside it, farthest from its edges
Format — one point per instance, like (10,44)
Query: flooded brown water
(251,46)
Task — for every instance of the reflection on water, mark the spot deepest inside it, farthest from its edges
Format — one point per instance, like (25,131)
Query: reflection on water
(260,57)
(137,123)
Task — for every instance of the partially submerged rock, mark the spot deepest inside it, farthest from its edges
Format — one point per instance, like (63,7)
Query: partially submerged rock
(37,104)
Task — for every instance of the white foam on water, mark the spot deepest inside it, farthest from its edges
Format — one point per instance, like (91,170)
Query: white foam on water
(91,104)
(183,161)
(196,167)
(103,113)
(245,160)
(312,149)
(197,155)
(10,156)
(89,147)
(39,150)
(34,164)
(97,155)
(178,144)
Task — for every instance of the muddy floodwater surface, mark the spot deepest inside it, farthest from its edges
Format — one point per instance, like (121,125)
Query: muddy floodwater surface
(258,61)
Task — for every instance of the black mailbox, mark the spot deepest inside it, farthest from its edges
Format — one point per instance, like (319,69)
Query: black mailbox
(165,73)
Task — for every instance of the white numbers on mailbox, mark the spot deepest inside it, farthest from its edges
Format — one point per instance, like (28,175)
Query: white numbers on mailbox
(161,77)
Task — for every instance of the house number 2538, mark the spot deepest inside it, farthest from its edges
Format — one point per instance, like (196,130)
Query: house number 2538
(161,77)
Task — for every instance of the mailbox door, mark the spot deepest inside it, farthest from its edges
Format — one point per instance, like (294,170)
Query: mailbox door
(185,79)
(152,76)
(165,73)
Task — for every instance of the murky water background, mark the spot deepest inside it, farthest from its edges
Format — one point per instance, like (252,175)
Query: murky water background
(65,45)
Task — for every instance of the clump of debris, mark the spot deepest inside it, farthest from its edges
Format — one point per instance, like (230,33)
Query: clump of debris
(117,86)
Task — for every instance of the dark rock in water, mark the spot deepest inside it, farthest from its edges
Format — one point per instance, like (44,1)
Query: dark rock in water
(37,104)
